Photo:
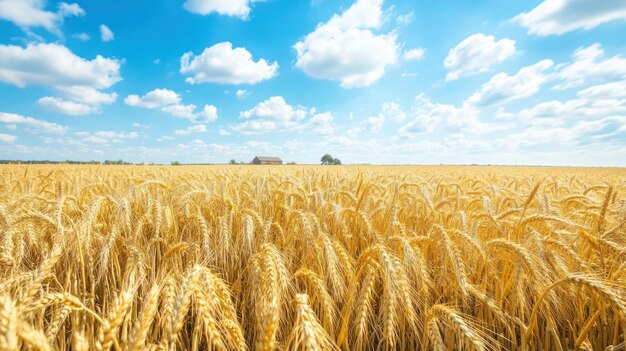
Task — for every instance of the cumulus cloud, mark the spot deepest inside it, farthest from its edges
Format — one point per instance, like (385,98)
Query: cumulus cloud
(414,54)
(596,116)
(66,10)
(607,130)
(221,63)
(208,113)
(234,8)
(476,54)
(107,136)
(82,36)
(275,114)
(321,124)
(393,111)
(590,66)
(555,17)
(241,93)
(503,87)
(346,49)
(198,128)
(7,138)
(426,115)
(106,34)
(270,115)
(28,14)
(66,107)
(406,19)
(53,65)
(389,111)
(154,99)
(35,124)
(88,95)
(169,101)
(593,102)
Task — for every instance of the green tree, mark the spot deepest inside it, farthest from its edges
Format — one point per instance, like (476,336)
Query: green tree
(233,162)
(327,159)
(175,163)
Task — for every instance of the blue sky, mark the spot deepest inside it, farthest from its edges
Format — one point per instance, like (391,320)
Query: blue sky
(369,81)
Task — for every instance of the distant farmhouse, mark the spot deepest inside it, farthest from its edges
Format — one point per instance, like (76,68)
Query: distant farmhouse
(267,160)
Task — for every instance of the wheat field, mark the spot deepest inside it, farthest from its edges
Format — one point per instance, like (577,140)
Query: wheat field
(312,258)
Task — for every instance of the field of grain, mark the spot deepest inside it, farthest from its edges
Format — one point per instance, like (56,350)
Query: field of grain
(312,258)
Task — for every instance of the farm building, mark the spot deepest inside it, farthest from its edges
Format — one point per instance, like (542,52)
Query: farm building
(267,160)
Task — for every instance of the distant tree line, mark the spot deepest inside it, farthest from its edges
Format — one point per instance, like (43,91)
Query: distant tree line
(45,162)
(48,162)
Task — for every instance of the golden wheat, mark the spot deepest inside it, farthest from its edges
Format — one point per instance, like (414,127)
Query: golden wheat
(312,258)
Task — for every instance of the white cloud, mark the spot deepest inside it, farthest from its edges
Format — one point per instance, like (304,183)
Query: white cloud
(181,111)
(65,106)
(88,95)
(427,115)
(256,127)
(95,139)
(242,93)
(55,66)
(275,114)
(502,87)
(198,128)
(224,132)
(406,19)
(28,14)
(7,138)
(113,135)
(345,48)
(389,110)
(606,130)
(106,34)
(376,123)
(615,90)
(208,113)
(154,99)
(275,108)
(593,102)
(590,66)
(35,124)
(269,115)
(476,54)
(170,102)
(321,124)
(104,137)
(234,8)
(562,16)
(66,10)
(414,54)
(394,111)
(221,63)
(82,36)
(597,116)
(503,115)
